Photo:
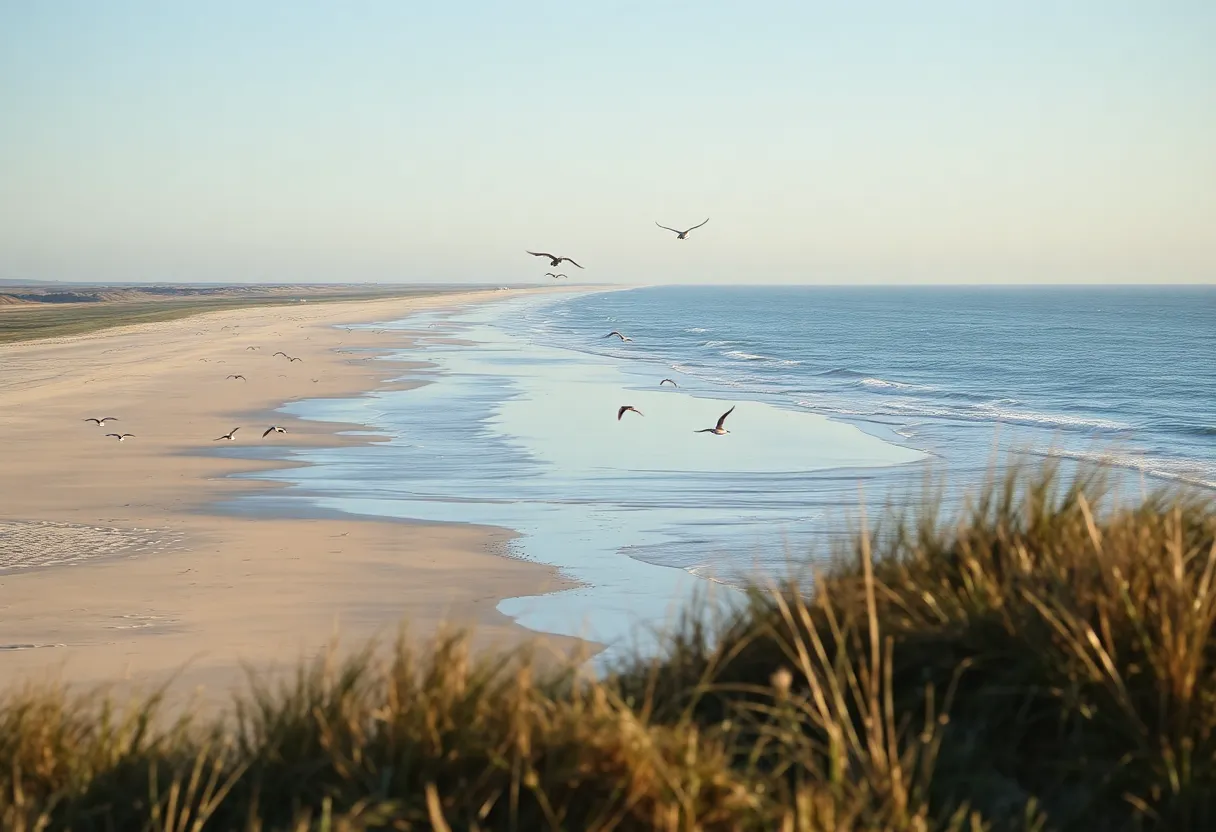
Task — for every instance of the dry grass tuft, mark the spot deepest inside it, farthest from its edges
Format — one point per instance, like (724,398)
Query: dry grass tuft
(1043,663)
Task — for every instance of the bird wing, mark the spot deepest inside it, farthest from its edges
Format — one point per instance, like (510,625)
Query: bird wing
(621,413)
(550,274)
(280,353)
(568,260)
(665,228)
(268,432)
(695,227)
(542,254)
(115,435)
(234,430)
(98,421)
(722,418)
(668,381)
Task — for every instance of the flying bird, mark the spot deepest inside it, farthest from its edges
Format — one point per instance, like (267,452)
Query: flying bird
(252,348)
(290,359)
(230,436)
(273,429)
(555,276)
(618,335)
(120,436)
(681,235)
(101,423)
(718,430)
(668,381)
(241,377)
(625,409)
(554,260)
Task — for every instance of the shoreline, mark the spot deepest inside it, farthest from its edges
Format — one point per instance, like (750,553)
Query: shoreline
(583,488)
(174,586)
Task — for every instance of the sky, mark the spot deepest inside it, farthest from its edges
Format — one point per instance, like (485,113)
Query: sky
(945,141)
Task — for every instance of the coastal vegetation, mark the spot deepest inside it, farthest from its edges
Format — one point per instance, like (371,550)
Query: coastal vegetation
(107,309)
(1042,661)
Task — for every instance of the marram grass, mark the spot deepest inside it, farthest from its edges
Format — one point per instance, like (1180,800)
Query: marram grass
(1043,662)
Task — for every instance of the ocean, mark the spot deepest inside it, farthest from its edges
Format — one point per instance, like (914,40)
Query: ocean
(842,396)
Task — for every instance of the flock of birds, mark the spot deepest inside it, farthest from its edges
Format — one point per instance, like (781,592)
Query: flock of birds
(230,436)
(556,260)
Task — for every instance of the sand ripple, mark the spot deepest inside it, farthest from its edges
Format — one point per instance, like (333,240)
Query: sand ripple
(38,543)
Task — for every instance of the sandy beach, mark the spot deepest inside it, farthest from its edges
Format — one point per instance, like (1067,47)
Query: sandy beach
(115,565)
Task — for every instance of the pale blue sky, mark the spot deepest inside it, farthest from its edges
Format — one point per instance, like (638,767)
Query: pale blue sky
(961,141)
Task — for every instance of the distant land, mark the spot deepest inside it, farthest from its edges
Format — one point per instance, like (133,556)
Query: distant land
(44,310)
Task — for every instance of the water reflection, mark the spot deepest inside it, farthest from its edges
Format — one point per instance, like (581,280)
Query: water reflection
(638,511)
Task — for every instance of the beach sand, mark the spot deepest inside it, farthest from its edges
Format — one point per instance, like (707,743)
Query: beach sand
(115,565)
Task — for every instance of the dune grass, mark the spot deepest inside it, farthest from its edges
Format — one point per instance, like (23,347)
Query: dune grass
(1042,662)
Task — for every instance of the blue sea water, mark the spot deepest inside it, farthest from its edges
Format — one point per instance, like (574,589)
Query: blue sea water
(840,394)
(1132,369)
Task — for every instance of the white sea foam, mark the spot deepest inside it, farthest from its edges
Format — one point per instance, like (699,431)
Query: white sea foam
(1189,471)
(1049,419)
(988,413)
(894,385)
(745,356)
(706,573)
(841,411)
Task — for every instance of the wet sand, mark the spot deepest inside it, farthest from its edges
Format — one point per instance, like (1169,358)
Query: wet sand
(115,565)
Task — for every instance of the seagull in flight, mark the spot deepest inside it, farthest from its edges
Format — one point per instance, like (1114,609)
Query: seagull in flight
(273,429)
(668,381)
(101,423)
(554,260)
(718,430)
(230,436)
(555,276)
(252,348)
(618,335)
(120,436)
(625,409)
(238,375)
(290,359)
(682,235)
